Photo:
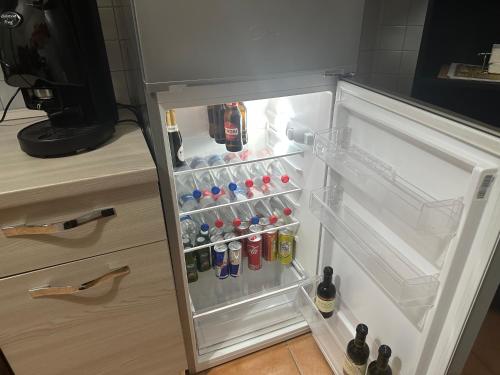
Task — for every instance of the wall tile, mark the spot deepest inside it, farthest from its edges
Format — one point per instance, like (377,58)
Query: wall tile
(365,61)
(114,53)
(371,17)
(104,3)
(386,62)
(121,26)
(417,12)
(413,38)
(395,12)
(391,37)
(405,83)
(108,23)
(6,93)
(408,62)
(120,87)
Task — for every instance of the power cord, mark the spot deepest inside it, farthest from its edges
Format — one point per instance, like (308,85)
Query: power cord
(8,105)
(135,110)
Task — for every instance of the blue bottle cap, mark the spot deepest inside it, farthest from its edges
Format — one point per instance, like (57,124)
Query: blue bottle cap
(232,186)
(204,227)
(197,194)
(254,220)
(215,190)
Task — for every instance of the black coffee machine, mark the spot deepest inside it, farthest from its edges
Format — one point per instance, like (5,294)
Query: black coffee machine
(54,51)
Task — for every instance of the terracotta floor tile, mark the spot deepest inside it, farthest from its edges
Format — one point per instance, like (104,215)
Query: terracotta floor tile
(275,360)
(308,357)
(474,366)
(487,346)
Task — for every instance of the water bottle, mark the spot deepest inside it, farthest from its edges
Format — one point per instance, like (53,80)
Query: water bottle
(282,209)
(224,178)
(214,160)
(276,170)
(189,229)
(185,185)
(246,213)
(229,217)
(263,209)
(259,174)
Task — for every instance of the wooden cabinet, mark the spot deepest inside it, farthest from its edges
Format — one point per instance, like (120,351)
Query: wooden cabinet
(86,283)
(127,325)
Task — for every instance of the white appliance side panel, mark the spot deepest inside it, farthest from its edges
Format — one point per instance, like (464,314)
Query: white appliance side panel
(215,40)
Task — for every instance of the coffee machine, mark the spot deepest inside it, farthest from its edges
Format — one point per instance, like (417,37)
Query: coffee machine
(53,50)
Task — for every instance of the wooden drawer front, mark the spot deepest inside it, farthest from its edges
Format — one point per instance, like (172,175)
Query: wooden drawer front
(129,325)
(138,220)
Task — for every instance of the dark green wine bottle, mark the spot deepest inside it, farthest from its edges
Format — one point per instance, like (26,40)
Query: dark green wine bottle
(357,353)
(381,365)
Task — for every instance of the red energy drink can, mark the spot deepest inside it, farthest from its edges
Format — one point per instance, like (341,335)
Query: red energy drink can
(241,230)
(270,244)
(254,250)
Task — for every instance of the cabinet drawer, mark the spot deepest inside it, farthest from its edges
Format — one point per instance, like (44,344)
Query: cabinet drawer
(137,220)
(123,325)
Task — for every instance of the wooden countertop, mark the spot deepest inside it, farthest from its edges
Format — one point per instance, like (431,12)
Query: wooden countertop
(124,160)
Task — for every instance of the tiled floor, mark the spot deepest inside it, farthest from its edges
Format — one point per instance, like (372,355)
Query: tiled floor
(483,358)
(298,356)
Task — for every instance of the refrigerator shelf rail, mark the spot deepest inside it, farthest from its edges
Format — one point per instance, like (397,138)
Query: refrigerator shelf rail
(288,188)
(427,224)
(403,282)
(276,227)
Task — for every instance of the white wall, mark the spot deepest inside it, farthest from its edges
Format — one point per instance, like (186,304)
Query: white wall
(390,41)
(122,66)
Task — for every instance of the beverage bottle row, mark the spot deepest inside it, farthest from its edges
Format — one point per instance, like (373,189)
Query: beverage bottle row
(227,124)
(207,188)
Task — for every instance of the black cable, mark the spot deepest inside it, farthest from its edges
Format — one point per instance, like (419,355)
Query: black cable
(8,104)
(135,110)
(130,120)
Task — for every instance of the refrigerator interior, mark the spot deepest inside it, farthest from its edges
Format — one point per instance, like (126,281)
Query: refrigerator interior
(377,196)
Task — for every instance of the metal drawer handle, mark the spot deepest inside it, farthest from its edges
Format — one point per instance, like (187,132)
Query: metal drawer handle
(25,229)
(47,291)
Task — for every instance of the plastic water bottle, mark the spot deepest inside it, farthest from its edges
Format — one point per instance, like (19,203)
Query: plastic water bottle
(223,184)
(282,209)
(263,209)
(246,213)
(230,218)
(189,228)
(214,160)
(276,170)
(225,179)
(259,174)
(185,185)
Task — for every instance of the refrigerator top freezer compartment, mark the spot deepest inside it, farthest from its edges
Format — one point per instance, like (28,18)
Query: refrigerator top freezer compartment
(425,223)
(403,282)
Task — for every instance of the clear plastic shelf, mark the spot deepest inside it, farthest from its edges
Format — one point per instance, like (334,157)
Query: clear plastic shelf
(402,281)
(422,221)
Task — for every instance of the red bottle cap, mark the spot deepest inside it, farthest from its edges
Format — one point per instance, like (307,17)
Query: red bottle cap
(273,219)
(285,178)
(237,222)
(219,223)
(266,179)
(249,183)
(287,211)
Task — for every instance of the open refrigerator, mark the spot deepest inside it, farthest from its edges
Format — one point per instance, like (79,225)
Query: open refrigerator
(401,201)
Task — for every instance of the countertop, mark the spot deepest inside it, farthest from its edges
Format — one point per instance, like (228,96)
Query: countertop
(124,160)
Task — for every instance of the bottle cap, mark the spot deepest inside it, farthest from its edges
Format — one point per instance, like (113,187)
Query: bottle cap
(219,223)
(328,271)
(204,227)
(232,186)
(255,220)
(384,351)
(249,183)
(361,329)
(237,222)
(215,190)
(197,194)
(285,178)
(287,211)
(266,179)
(273,219)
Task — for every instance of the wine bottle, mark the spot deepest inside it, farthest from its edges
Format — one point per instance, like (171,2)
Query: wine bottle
(325,294)
(357,353)
(381,365)
(175,140)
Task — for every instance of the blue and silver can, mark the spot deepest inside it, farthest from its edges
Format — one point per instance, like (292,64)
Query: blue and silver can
(221,264)
(235,258)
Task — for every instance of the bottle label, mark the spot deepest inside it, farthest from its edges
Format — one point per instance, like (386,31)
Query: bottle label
(180,153)
(351,368)
(231,131)
(323,305)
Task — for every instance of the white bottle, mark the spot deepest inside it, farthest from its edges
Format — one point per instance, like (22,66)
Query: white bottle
(277,171)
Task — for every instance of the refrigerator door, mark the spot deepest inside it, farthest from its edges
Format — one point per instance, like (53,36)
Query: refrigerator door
(410,219)
(209,41)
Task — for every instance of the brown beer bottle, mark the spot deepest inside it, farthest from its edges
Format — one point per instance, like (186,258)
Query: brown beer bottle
(219,134)
(232,127)
(244,131)
(211,120)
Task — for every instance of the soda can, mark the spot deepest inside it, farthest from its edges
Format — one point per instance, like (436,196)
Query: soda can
(286,241)
(270,244)
(215,238)
(214,231)
(241,230)
(254,228)
(221,261)
(235,258)
(229,236)
(254,250)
